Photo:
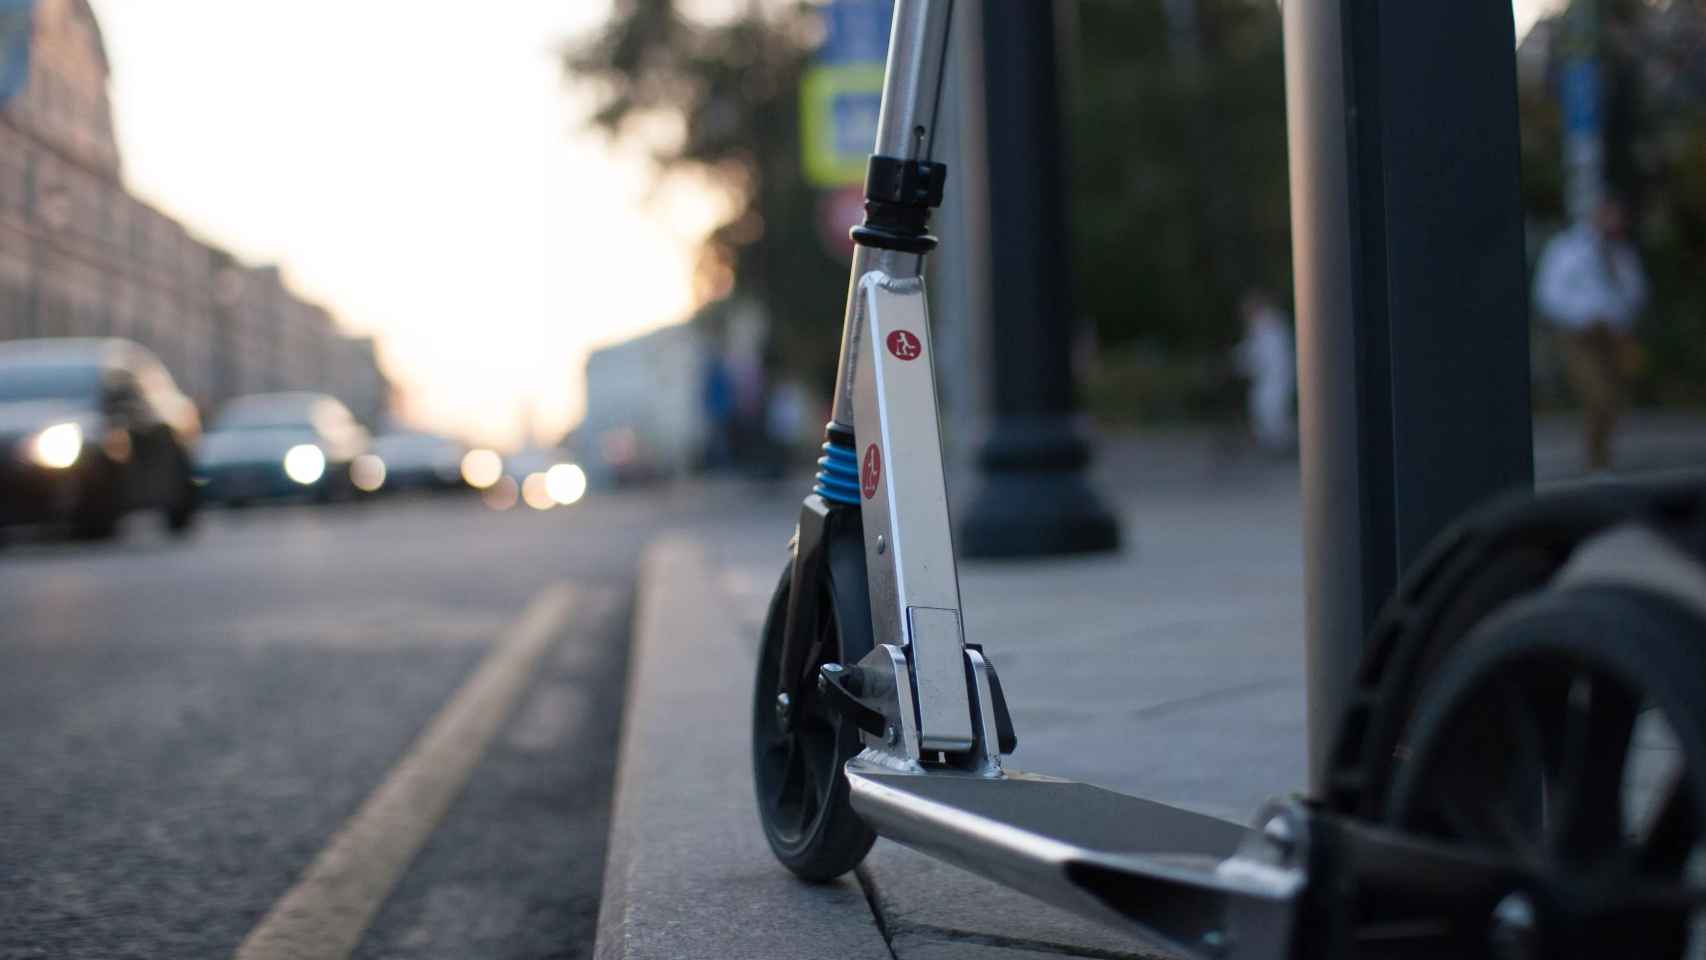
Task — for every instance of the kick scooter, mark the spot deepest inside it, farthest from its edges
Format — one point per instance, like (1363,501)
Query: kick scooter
(1477,803)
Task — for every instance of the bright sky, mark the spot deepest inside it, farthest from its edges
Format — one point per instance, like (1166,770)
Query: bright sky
(416,166)
(1528,11)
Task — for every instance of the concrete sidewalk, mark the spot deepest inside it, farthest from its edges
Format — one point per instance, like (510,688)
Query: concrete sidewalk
(1172,671)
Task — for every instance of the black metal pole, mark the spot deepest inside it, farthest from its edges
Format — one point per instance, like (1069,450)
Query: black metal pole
(1407,239)
(1033,497)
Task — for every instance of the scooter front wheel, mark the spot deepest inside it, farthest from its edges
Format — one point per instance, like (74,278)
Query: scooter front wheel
(799,745)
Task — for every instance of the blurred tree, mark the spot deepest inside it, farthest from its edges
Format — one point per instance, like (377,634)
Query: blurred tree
(1181,191)
(727,93)
(1180,188)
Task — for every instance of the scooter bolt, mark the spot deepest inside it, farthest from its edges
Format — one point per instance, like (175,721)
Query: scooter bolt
(882,545)
(891,735)
(783,706)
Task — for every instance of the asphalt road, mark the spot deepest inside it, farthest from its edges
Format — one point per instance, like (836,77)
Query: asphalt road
(185,726)
(187,729)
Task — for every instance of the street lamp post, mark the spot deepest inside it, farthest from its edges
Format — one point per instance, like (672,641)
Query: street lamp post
(1414,391)
(1033,498)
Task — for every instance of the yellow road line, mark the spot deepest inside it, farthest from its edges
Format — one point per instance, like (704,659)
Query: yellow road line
(324,915)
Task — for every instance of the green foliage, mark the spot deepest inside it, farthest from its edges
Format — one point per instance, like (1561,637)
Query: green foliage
(1674,236)
(1179,192)
(1131,385)
(1180,188)
(1542,157)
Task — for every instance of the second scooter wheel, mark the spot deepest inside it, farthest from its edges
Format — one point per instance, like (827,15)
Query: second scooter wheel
(1568,734)
(798,745)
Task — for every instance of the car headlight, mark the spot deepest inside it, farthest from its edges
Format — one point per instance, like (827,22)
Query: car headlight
(482,468)
(367,472)
(566,482)
(304,463)
(58,446)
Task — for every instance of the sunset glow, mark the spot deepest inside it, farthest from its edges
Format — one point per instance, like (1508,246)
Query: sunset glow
(421,170)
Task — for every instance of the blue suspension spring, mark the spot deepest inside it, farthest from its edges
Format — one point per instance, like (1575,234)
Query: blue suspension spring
(838,475)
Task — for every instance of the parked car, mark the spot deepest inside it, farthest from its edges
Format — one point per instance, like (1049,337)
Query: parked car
(411,460)
(281,445)
(541,478)
(91,429)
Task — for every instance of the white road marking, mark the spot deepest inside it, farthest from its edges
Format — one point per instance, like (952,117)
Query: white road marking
(325,914)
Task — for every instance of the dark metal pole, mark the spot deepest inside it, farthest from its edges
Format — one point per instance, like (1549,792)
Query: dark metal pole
(1033,498)
(1407,248)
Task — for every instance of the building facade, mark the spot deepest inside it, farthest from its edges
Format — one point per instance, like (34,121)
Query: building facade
(80,256)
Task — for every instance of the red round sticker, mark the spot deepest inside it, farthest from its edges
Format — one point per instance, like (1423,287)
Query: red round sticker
(904,345)
(871,471)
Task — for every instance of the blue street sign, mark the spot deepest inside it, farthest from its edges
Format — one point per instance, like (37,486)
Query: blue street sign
(841,93)
(856,31)
(1579,96)
(16,27)
(855,117)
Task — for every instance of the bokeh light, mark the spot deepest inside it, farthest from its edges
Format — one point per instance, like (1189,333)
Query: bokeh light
(367,472)
(482,468)
(58,446)
(536,493)
(566,483)
(304,463)
(501,494)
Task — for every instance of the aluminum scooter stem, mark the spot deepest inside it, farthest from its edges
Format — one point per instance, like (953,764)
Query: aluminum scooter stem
(906,128)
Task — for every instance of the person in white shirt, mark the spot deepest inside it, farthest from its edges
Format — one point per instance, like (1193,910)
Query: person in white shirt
(1589,289)
(1267,357)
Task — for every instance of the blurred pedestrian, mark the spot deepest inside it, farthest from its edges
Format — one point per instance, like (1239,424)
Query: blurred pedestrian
(744,340)
(785,416)
(716,396)
(1267,357)
(1589,289)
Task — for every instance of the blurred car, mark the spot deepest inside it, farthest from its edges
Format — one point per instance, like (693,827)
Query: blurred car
(91,429)
(410,460)
(541,478)
(530,460)
(280,445)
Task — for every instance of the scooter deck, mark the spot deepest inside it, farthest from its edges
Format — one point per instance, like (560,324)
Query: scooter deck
(1092,851)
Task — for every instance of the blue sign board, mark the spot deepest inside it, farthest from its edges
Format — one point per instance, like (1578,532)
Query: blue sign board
(1579,95)
(856,31)
(16,28)
(841,94)
(855,120)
